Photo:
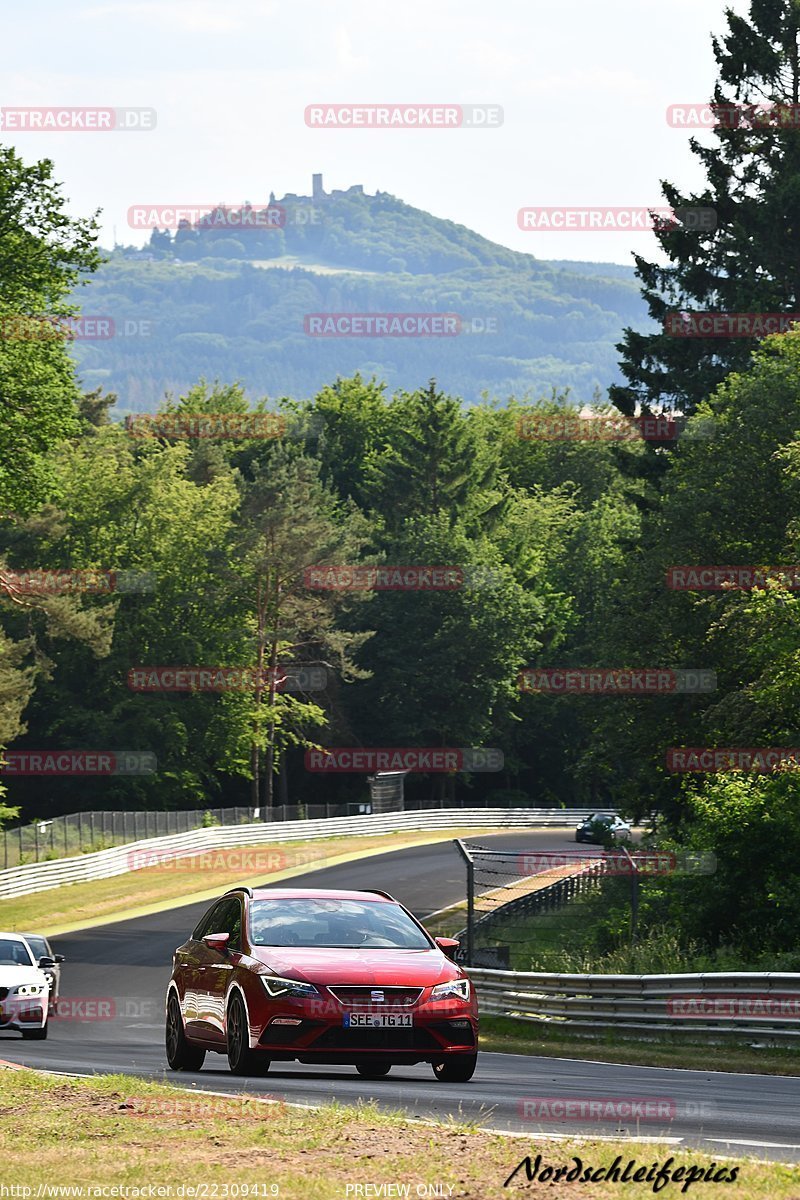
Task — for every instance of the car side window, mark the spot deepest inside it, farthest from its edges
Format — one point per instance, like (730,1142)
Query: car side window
(233,923)
(224,917)
(212,922)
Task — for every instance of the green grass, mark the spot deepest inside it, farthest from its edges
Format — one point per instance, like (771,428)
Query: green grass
(508,1036)
(129,1133)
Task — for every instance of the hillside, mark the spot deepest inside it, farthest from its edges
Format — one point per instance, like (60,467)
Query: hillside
(230,304)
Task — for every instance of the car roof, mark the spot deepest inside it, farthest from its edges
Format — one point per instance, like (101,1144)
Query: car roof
(18,937)
(40,936)
(277,893)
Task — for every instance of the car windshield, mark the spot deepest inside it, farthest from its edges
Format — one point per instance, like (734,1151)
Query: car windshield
(14,953)
(349,924)
(37,944)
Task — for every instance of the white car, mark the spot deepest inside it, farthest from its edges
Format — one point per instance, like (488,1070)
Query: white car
(24,989)
(49,962)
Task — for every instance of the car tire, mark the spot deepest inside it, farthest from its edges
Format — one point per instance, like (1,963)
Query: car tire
(456,1070)
(181,1054)
(373,1070)
(241,1059)
(35,1035)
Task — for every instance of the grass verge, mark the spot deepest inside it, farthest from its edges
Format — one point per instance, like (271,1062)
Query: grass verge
(507,1036)
(196,878)
(115,1131)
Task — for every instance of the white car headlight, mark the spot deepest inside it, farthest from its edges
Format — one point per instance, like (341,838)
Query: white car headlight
(277,986)
(28,989)
(455,987)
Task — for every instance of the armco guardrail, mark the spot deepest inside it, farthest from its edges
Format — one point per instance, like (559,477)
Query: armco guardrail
(748,1004)
(103,864)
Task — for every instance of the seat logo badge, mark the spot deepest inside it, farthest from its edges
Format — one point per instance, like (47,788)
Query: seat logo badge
(377,997)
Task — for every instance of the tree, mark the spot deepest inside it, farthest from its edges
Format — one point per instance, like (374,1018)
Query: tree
(751,263)
(443,664)
(431,461)
(43,253)
(289,522)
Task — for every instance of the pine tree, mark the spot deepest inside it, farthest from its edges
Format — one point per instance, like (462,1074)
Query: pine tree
(751,262)
(431,462)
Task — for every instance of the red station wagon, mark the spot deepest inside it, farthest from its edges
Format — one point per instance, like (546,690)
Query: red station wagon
(316,976)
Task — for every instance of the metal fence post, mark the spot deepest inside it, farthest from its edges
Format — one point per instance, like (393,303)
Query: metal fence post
(467,857)
(634,896)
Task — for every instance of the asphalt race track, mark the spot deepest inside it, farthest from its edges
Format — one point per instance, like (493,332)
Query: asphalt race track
(119,972)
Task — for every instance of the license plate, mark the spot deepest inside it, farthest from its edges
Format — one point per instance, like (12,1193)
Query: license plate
(384,1021)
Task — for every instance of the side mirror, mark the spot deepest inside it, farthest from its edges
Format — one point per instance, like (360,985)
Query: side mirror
(217,941)
(46,961)
(448,946)
(59,958)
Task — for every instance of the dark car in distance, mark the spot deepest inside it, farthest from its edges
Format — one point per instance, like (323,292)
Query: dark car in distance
(600,828)
(319,976)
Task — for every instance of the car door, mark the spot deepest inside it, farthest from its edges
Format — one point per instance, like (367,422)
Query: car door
(190,966)
(216,969)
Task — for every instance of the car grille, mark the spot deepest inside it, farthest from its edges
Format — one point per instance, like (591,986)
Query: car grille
(392,996)
(375,1039)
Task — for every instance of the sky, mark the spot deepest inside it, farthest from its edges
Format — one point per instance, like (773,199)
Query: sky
(583,86)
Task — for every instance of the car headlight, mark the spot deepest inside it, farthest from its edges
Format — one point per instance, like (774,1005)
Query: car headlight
(277,986)
(455,987)
(28,989)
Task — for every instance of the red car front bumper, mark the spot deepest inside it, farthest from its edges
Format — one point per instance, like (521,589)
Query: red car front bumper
(317,1029)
